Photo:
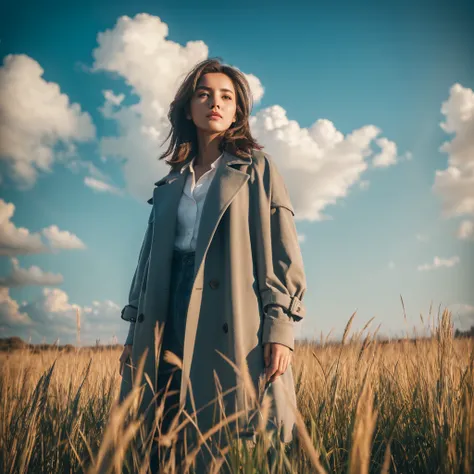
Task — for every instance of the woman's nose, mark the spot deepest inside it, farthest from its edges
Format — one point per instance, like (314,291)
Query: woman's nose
(214,101)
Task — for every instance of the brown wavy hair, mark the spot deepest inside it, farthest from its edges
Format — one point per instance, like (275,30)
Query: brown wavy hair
(236,140)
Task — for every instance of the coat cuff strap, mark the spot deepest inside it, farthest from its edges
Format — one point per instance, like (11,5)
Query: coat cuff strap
(291,304)
(129,313)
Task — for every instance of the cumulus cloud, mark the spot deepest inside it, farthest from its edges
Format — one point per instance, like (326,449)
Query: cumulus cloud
(31,276)
(11,313)
(113,99)
(49,317)
(54,316)
(439,263)
(35,117)
(16,240)
(100,321)
(455,184)
(62,239)
(466,230)
(320,164)
(19,240)
(255,86)
(387,155)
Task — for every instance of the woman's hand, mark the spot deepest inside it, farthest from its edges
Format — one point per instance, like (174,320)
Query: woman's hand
(276,357)
(126,354)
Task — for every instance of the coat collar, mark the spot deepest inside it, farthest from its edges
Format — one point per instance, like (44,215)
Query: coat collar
(226,159)
(190,164)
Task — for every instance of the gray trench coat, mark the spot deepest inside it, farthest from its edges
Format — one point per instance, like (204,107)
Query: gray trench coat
(247,257)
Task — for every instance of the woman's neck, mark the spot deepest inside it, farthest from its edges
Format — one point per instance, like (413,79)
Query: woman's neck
(208,151)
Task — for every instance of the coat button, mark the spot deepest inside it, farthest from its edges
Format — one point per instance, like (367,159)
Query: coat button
(141,316)
(214,284)
(225,328)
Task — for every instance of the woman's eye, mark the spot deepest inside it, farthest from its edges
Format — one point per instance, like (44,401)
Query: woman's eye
(228,97)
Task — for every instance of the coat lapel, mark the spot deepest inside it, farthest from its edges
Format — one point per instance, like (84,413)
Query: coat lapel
(224,187)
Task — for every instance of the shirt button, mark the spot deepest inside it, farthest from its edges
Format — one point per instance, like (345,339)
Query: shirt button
(141,316)
(214,284)
(225,328)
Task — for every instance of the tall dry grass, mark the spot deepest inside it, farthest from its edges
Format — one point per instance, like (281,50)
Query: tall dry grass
(364,406)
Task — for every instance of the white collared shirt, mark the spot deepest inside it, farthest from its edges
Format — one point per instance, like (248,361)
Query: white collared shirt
(190,206)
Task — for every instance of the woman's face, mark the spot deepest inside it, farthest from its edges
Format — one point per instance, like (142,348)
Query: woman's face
(214,93)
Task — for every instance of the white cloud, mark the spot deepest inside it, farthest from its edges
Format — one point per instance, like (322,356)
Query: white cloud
(391,265)
(255,86)
(100,186)
(319,163)
(112,98)
(53,316)
(455,184)
(364,184)
(16,240)
(34,118)
(31,276)
(19,240)
(439,263)
(10,312)
(387,155)
(62,239)
(466,230)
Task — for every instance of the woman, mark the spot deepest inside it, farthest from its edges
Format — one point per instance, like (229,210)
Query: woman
(220,265)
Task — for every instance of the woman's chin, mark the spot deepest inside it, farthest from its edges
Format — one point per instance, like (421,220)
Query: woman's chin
(211,128)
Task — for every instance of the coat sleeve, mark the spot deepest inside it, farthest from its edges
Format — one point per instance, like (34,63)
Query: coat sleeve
(282,279)
(129,311)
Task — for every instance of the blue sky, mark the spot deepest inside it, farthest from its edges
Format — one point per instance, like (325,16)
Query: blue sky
(349,103)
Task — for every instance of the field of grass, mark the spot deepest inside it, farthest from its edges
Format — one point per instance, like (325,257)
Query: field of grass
(403,406)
